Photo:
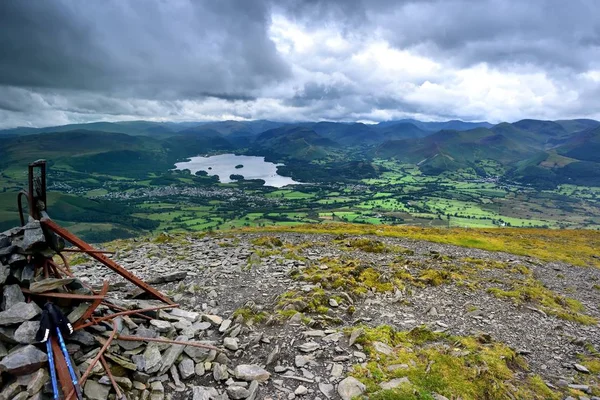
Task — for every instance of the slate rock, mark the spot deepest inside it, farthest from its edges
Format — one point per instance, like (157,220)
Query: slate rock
(83,337)
(49,284)
(172,353)
(25,333)
(18,313)
(394,383)
(161,326)
(237,392)
(23,361)
(152,358)
(382,348)
(4,272)
(11,295)
(17,261)
(251,372)
(327,389)
(33,237)
(186,368)
(95,391)
(230,343)
(220,372)
(204,393)
(166,278)
(350,387)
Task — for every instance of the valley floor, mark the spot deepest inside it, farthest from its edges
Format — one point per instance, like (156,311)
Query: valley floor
(407,318)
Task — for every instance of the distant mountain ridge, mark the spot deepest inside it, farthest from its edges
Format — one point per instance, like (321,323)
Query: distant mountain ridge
(542,153)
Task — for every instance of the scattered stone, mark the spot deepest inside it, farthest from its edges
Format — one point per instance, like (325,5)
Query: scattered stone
(237,392)
(204,393)
(350,387)
(18,313)
(172,353)
(382,348)
(251,372)
(11,295)
(581,368)
(224,325)
(309,347)
(23,361)
(301,361)
(25,333)
(337,370)
(213,319)
(49,284)
(95,391)
(186,368)
(172,277)
(230,343)
(161,326)
(355,335)
(301,390)
(333,303)
(394,383)
(327,389)
(220,372)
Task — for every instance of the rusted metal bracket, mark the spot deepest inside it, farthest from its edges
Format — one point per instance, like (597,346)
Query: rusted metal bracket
(88,313)
(68,236)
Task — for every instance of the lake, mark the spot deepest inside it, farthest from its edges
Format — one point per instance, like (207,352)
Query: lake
(224,165)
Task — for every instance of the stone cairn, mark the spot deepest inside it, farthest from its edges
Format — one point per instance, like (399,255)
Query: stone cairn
(104,350)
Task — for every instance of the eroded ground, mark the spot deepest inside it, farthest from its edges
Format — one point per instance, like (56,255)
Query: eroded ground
(419,318)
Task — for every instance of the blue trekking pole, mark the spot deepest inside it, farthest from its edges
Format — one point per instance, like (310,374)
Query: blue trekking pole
(42,336)
(61,323)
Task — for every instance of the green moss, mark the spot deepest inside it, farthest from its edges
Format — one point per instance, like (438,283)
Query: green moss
(267,241)
(597,287)
(250,314)
(463,367)
(531,290)
(351,276)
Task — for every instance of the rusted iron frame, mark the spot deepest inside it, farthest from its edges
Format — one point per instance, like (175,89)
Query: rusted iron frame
(73,296)
(87,251)
(33,198)
(65,234)
(66,262)
(121,313)
(58,268)
(88,313)
(20,205)
(168,341)
(118,308)
(110,376)
(89,369)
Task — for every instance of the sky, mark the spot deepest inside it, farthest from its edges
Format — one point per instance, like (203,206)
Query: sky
(72,61)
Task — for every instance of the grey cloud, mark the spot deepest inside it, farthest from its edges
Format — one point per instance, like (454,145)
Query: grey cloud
(554,33)
(174,49)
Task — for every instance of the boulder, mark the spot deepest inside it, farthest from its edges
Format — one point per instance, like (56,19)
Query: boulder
(33,237)
(95,391)
(23,361)
(18,313)
(26,332)
(350,387)
(11,295)
(251,372)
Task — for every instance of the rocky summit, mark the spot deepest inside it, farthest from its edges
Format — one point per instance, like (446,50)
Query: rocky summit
(323,316)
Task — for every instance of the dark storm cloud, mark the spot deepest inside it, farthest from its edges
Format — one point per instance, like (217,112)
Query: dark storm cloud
(72,60)
(151,49)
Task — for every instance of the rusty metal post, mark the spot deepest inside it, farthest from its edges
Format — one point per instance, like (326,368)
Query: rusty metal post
(68,236)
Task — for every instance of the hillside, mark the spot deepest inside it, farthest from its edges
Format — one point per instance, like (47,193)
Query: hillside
(294,142)
(344,314)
